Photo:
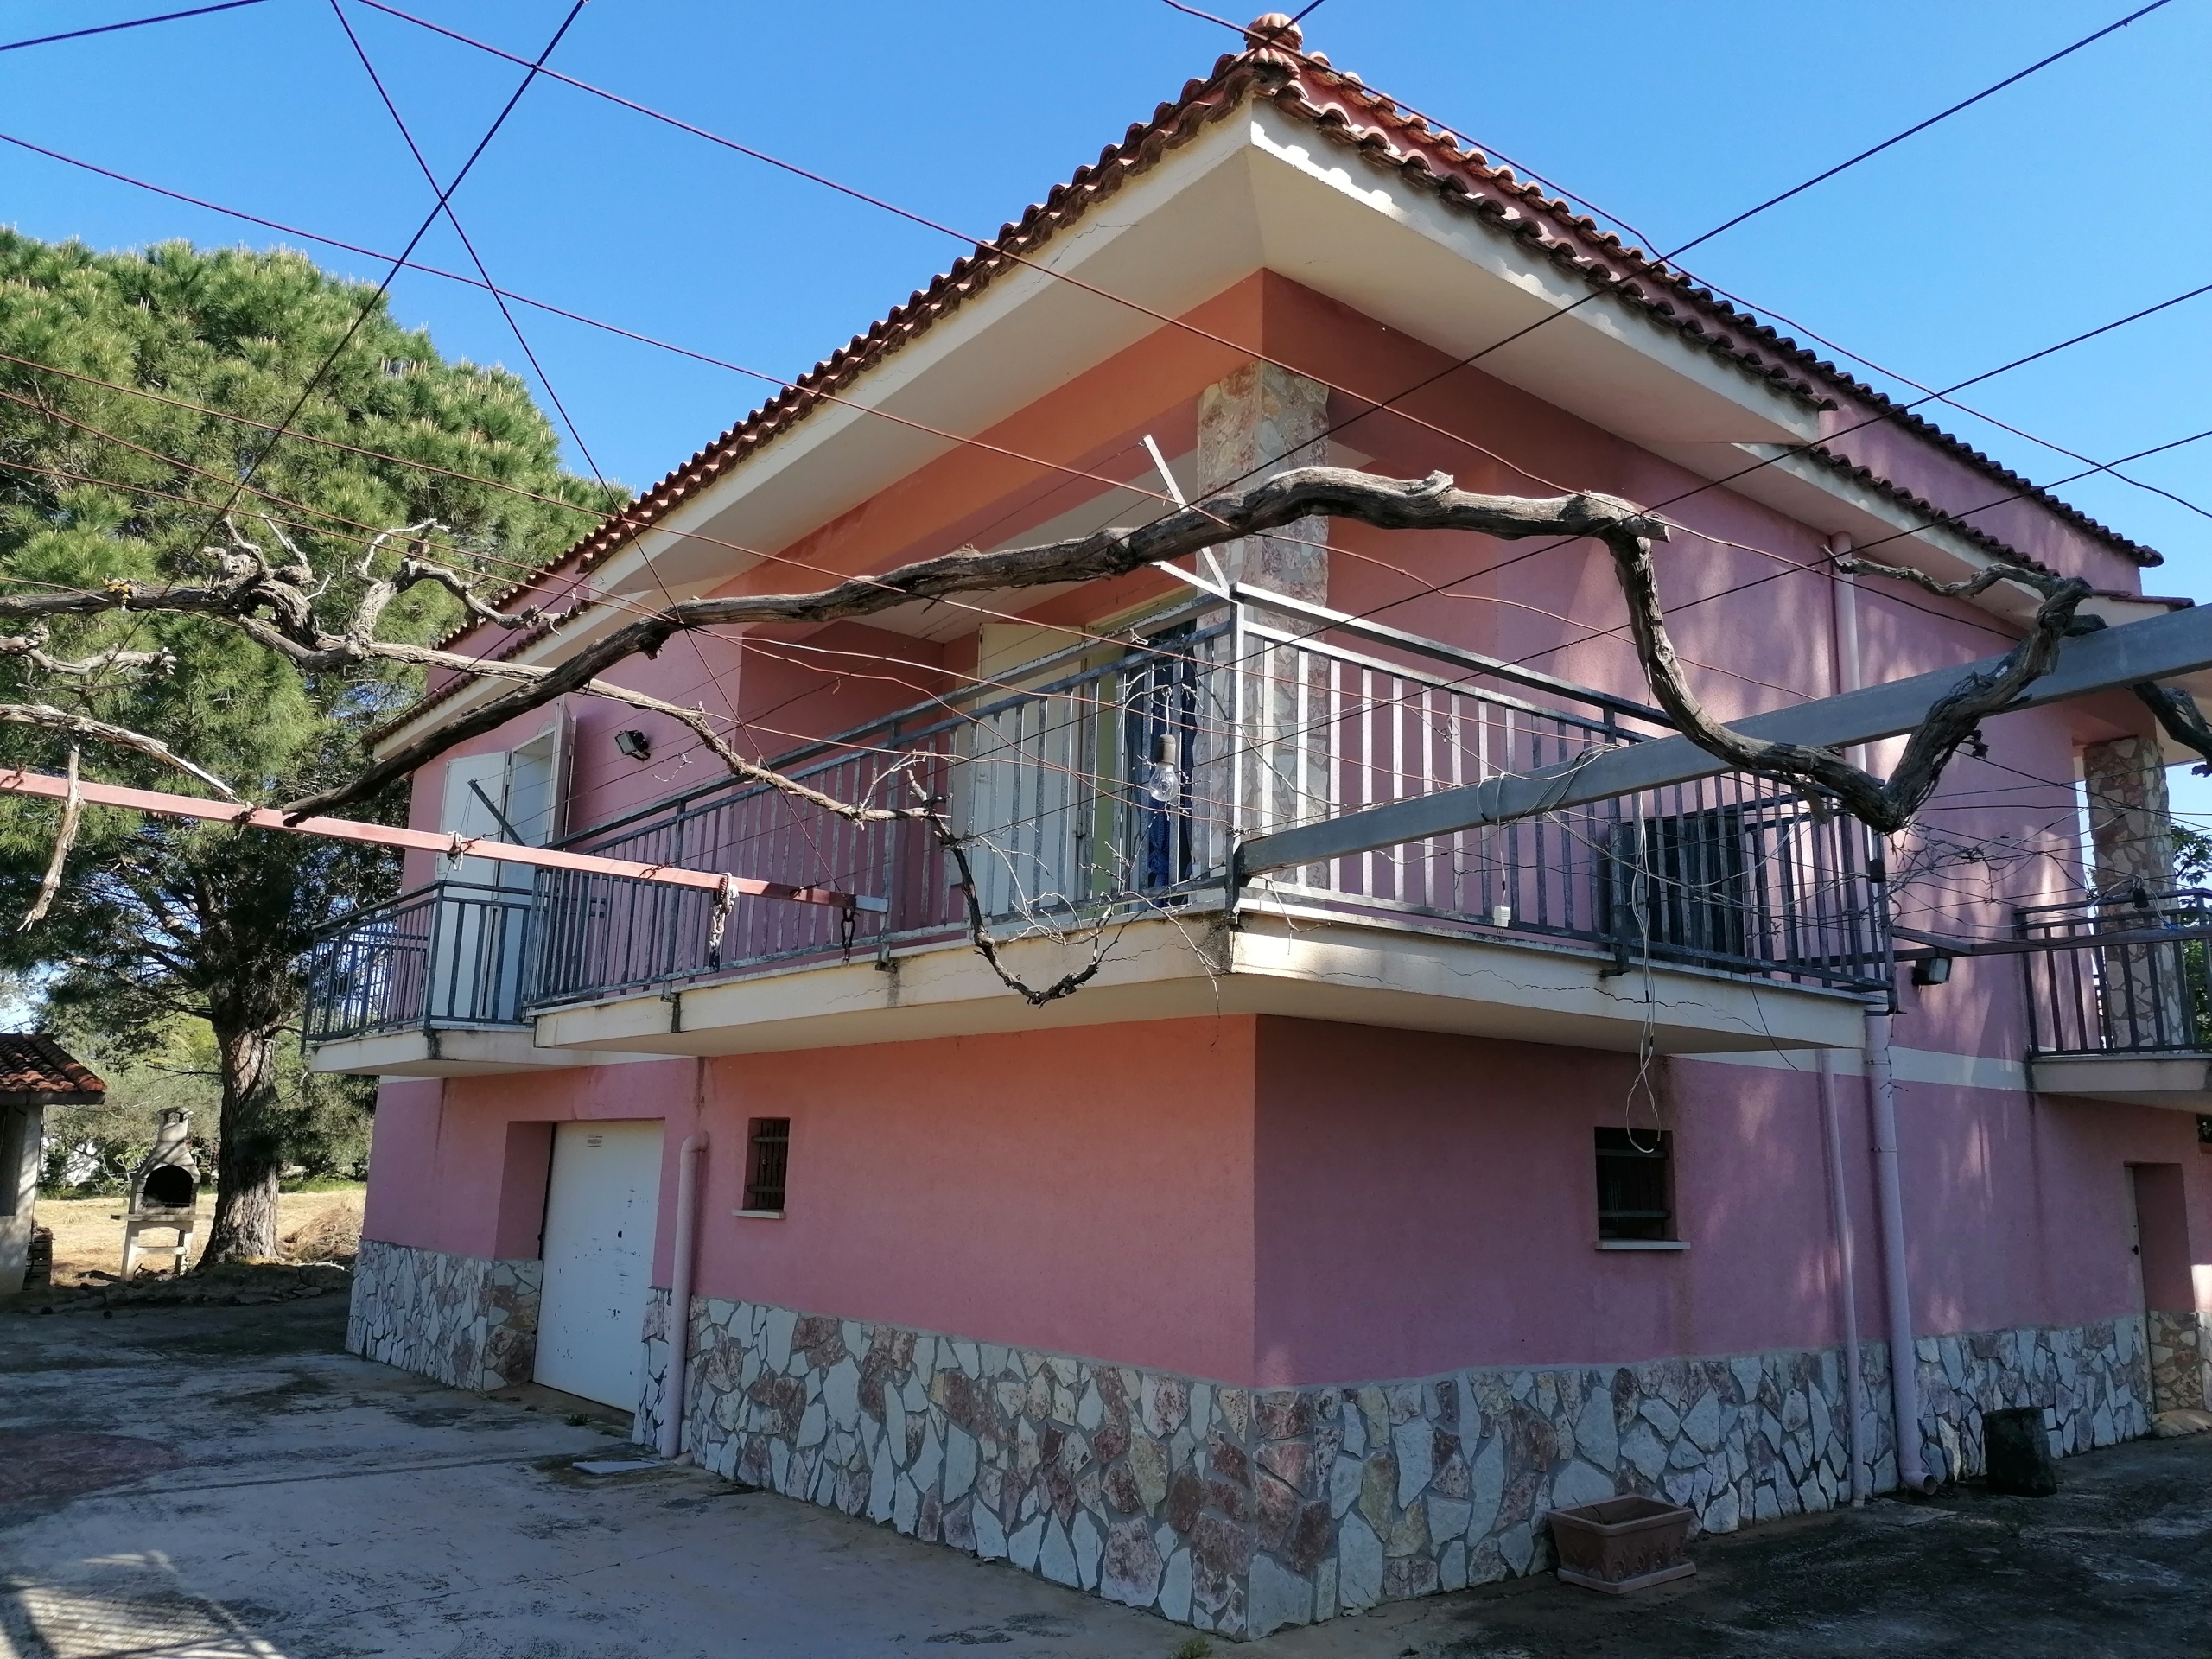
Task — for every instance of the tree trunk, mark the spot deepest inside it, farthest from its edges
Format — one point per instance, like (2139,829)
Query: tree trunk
(252,1145)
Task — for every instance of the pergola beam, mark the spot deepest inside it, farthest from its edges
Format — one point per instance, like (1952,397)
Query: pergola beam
(384,835)
(2157,648)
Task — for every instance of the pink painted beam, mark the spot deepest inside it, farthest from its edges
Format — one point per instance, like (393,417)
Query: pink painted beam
(261,817)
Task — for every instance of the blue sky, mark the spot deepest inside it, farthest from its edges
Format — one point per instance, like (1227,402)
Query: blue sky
(2071,199)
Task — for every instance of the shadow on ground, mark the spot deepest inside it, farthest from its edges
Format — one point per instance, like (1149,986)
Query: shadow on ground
(224,1481)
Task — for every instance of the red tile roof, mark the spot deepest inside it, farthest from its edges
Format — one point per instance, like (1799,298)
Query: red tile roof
(1343,110)
(35,1071)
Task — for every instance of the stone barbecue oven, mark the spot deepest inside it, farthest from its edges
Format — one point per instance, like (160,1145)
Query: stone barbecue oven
(164,1189)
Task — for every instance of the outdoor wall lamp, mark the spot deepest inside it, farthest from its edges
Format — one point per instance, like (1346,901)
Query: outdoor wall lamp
(635,744)
(1932,970)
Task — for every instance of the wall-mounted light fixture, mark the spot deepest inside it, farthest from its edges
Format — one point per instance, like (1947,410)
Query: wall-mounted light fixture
(634,744)
(1932,970)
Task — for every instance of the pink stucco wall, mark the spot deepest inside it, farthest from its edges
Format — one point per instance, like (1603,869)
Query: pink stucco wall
(1427,1201)
(1086,1191)
(1279,1202)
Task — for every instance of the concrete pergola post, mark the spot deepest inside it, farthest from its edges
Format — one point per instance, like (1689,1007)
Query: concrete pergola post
(1260,421)
(2131,851)
(2131,825)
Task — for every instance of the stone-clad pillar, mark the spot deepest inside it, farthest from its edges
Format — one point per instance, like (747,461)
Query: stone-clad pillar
(1261,421)
(2145,1002)
(2131,832)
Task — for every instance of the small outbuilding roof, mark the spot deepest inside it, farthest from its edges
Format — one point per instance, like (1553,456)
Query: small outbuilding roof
(35,1071)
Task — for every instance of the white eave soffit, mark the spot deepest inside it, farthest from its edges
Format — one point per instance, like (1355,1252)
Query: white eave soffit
(1258,190)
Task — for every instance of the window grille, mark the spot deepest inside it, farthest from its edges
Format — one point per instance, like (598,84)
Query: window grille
(767,1157)
(1635,1199)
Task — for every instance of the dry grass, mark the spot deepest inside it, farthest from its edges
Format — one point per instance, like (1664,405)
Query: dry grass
(322,1226)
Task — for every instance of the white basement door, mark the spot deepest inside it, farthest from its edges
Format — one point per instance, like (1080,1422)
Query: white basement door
(599,1213)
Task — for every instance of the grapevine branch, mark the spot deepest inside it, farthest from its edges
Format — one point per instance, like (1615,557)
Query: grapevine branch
(277,599)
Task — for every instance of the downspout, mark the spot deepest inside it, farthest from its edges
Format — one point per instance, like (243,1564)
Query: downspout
(679,1295)
(1905,1386)
(1843,593)
(1882,1100)
(1849,673)
(1854,1384)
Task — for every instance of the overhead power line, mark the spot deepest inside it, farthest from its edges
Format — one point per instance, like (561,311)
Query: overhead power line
(486,283)
(552,310)
(1789,565)
(706,357)
(1638,235)
(1873,150)
(1791,451)
(1704,236)
(1374,406)
(982,245)
(253,465)
(133,22)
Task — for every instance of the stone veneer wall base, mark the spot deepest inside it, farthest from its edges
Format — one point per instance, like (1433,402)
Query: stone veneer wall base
(468,1322)
(1244,1511)
(2181,1361)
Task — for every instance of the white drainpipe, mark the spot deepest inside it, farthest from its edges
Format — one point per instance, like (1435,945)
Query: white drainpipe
(1905,1359)
(1854,1384)
(1849,672)
(1882,1097)
(679,1295)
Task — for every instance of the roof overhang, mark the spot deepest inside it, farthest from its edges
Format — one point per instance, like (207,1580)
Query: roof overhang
(1257,190)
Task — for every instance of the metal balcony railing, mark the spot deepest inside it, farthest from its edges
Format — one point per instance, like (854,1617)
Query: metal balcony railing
(2096,986)
(1111,779)
(453,954)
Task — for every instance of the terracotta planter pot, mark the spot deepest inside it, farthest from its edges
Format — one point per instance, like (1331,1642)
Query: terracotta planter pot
(1622,1544)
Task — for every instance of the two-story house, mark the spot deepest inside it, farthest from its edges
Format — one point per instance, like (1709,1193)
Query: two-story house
(1347,1220)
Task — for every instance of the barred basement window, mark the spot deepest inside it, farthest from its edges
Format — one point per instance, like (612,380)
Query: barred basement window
(767,1157)
(1636,1186)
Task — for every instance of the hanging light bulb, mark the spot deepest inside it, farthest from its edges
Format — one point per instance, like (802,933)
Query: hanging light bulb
(1163,786)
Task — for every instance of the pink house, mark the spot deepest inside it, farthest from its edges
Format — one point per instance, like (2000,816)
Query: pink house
(1350,1216)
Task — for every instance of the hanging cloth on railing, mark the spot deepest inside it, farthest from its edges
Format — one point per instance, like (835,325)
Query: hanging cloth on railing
(1162,700)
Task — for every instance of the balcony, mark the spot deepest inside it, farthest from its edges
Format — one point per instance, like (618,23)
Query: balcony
(2120,1001)
(430,984)
(1106,786)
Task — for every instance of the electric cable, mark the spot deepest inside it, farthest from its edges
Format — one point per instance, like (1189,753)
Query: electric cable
(133,22)
(1667,259)
(253,465)
(1678,498)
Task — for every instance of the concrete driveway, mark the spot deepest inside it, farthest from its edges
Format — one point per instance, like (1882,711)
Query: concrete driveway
(218,1482)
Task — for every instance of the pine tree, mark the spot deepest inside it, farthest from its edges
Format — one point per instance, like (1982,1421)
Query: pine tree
(156,917)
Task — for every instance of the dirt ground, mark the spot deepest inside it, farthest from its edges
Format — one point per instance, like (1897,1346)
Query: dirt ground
(88,1232)
(226,1484)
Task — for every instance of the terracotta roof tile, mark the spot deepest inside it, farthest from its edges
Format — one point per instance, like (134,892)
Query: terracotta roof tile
(1340,106)
(35,1071)
(1931,516)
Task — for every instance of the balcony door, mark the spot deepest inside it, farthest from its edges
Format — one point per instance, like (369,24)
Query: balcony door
(1025,779)
(479,937)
